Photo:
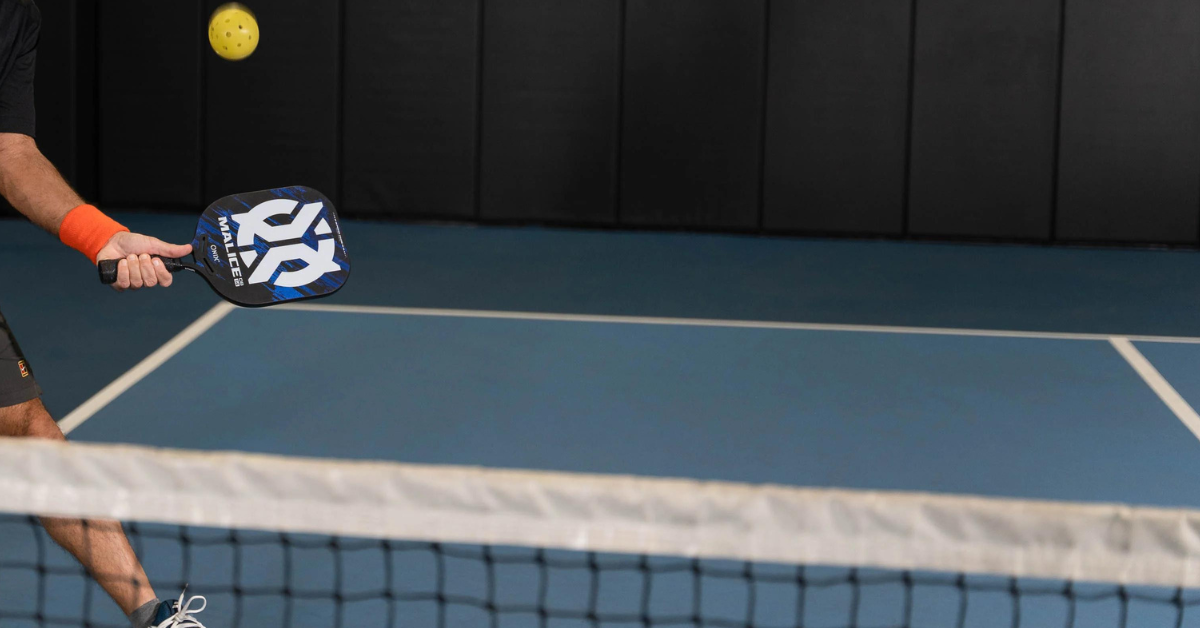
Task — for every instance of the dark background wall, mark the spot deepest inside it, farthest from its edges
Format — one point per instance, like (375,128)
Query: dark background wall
(1042,120)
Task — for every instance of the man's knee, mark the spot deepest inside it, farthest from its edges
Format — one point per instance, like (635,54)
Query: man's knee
(29,419)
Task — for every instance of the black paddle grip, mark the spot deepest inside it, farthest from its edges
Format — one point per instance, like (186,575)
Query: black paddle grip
(108,268)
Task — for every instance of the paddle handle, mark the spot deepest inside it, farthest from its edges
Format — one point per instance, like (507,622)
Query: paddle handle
(108,268)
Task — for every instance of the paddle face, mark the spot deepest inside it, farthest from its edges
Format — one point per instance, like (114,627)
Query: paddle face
(272,246)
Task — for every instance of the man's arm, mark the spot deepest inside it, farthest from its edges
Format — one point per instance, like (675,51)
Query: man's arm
(31,183)
(35,188)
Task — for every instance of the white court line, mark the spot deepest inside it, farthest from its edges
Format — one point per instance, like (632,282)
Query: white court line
(1123,344)
(144,368)
(707,322)
(1158,384)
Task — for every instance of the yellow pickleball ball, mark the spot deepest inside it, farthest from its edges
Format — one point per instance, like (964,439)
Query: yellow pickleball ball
(233,31)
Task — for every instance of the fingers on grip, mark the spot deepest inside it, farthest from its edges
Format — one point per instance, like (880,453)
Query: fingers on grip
(149,273)
(138,271)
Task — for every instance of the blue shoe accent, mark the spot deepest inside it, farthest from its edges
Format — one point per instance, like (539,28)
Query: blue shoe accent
(165,611)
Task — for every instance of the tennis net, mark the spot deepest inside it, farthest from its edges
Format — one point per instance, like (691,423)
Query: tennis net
(276,541)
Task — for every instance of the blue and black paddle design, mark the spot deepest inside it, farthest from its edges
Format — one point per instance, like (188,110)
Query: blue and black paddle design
(264,248)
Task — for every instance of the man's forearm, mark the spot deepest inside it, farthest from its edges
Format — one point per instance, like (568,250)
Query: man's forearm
(32,184)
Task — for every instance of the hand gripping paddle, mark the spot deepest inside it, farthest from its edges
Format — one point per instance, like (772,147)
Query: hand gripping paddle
(264,248)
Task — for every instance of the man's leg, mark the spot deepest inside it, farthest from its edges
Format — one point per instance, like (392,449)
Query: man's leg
(100,546)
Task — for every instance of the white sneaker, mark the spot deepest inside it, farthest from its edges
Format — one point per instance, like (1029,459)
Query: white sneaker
(178,613)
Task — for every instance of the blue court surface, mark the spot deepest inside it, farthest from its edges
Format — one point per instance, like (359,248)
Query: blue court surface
(697,356)
(1011,417)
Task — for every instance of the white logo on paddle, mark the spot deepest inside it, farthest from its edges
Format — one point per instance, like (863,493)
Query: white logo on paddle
(253,224)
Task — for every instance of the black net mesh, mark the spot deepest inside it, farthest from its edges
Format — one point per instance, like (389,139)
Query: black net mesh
(258,579)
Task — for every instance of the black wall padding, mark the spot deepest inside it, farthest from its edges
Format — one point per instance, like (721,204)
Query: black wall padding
(411,102)
(85,106)
(272,119)
(837,112)
(692,125)
(149,114)
(984,116)
(1131,121)
(1044,120)
(551,79)
(55,86)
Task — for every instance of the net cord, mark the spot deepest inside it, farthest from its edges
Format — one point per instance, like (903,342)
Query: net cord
(621,514)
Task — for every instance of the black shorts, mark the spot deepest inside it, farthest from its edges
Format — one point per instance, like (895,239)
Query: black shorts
(16,377)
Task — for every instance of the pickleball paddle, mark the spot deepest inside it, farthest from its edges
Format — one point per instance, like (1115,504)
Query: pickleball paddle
(265,248)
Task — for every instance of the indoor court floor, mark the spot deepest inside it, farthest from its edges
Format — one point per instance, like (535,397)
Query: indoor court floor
(1015,371)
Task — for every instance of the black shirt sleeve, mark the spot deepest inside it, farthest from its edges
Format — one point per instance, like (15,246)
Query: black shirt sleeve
(20,23)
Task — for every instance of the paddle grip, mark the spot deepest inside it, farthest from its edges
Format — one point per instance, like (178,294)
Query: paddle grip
(108,268)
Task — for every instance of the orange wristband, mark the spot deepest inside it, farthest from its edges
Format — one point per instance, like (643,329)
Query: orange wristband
(86,229)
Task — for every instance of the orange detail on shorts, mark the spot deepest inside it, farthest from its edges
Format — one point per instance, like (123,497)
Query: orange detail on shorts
(86,229)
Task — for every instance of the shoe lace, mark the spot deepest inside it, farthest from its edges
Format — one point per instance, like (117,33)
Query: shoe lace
(183,617)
